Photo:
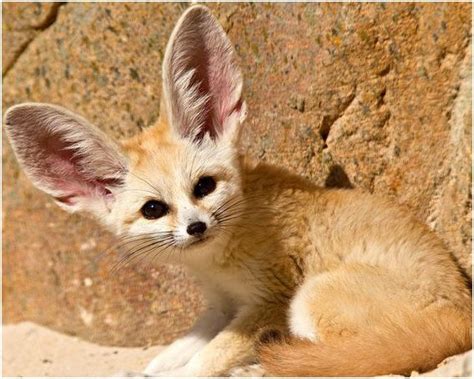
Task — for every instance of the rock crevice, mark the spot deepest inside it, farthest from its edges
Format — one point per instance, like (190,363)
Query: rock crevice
(31,31)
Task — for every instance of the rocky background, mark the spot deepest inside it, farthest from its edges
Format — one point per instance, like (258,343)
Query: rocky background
(373,96)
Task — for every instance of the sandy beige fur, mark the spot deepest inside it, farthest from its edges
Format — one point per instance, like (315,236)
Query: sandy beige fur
(355,285)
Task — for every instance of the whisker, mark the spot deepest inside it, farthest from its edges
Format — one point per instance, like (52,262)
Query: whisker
(146,182)
(140,242)
(237,209)
(130,258)
(235,201)
(135,190)
(247,227)
(242,213)
(152,250)
(192,164)
(117,246)
(155,240)
(228,204)
(124,240)
(161,252)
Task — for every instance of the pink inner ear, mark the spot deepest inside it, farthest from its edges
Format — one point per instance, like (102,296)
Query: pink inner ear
(63,155)
(215,80)
(201,77)
(63,171)
(221,86)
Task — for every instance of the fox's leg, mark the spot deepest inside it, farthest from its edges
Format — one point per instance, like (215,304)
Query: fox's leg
(235,345)
(361,320)
(339,303)
(181,351)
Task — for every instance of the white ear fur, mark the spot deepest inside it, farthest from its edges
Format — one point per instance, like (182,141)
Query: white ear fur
(65,156)
(202,83)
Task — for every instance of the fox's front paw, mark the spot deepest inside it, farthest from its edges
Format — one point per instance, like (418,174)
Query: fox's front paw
(255,370)
(175,355)
(164,363)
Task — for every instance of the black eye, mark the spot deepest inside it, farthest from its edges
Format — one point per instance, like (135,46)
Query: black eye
(154,209)
(204,186)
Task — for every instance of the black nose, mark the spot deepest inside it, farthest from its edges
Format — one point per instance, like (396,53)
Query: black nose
(196,228)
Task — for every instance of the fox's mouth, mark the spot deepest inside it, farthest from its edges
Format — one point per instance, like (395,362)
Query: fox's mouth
(199,241)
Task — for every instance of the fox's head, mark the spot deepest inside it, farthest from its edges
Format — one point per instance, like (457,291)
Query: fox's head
(176,183)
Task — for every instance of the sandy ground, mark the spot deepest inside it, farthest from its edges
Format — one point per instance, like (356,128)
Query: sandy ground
(32,350)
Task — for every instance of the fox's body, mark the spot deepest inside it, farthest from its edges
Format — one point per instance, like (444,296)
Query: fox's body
(354,284)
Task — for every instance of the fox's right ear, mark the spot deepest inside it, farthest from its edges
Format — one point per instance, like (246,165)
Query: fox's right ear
(66,157)
(202,83)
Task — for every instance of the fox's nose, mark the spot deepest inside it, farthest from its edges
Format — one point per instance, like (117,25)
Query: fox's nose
(196,228)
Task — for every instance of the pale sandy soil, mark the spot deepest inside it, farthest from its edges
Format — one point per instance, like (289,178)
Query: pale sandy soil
(32,350)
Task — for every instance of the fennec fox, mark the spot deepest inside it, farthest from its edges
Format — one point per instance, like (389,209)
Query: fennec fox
(304,280)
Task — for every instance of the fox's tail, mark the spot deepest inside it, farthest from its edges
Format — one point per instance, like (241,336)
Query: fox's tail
(396,346)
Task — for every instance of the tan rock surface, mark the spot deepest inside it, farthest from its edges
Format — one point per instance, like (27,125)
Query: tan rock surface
(23,23)
(375,96)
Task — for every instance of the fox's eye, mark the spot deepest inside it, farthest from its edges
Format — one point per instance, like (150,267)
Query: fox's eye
(154,209)
(204,186)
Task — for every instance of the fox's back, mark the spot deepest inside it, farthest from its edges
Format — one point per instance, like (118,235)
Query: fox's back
(293,229)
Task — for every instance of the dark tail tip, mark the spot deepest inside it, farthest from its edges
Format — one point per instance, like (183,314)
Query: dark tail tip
(270,336)
(272,343)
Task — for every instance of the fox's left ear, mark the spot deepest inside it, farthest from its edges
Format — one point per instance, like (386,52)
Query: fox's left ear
(67,157)
(202,83)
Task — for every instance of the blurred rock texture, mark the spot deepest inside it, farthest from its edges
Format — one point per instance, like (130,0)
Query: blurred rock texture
(373,96)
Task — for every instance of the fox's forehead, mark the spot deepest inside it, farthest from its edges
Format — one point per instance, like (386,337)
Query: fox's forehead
(151,142)
(172,166)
